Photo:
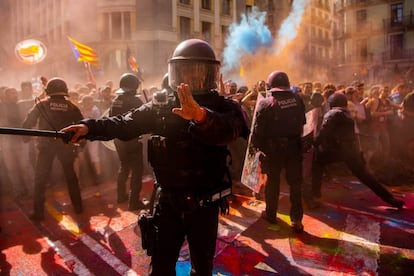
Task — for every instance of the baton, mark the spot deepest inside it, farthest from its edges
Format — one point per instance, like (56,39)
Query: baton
(65,136)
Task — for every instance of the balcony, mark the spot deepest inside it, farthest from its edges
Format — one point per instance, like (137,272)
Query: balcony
(363,28)
(393,25)
(326,42)
(320,21)
(360,3)
(321,5)
(406,54)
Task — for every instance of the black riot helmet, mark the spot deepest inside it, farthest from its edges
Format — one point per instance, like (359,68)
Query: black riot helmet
(194,63)
(337,99)
(56,87)
(128,83)
(278,81)
(164,83)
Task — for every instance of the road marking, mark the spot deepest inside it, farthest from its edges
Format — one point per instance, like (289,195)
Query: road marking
(70,260)
(358,246)
(107,256)
(377,216)
(69,225)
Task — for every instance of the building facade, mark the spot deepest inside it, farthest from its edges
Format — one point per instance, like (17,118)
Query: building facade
(312,48)
(338,40)
(374,40)
(150,29)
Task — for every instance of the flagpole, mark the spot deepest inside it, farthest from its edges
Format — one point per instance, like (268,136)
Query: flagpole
(89,75)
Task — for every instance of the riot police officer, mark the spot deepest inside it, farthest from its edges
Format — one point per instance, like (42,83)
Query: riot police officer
(277,134)
(188,153)
(53,113)
(129,152)
(337,142)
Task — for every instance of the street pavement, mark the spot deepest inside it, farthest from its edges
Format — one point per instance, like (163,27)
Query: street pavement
(352,233)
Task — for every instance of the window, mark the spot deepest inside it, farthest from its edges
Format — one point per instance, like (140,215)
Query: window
(106,32)
(313,51)
(361,21)
(270,20)
(127,25)
(117,25)
(184,28)
(362,49)
(396,46)
(206,4)
(361,16)
(115,60)
(206,31)
(270,6)
(224,34)
(396,14)
(225,7)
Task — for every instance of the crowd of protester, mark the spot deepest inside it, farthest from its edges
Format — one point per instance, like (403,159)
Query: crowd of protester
(376,110)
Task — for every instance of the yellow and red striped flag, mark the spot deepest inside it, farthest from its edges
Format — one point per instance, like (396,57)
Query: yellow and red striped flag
(83,52)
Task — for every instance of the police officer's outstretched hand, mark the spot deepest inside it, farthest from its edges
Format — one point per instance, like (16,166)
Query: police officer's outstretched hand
(79,131)
(190,109)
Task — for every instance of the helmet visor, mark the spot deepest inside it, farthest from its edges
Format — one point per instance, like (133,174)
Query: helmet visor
(200,76)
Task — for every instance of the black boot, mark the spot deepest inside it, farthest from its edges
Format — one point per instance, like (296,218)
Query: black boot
(38,212)
(36,216)
(397,203)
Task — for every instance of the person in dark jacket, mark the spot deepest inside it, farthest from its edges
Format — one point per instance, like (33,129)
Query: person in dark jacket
(277,134)
(188,153)
(337,142)
(53,113)
(129,152)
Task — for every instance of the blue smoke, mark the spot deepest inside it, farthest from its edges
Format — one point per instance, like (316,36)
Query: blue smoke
(246,38)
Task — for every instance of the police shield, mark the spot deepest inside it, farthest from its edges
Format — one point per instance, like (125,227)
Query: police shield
(251,175)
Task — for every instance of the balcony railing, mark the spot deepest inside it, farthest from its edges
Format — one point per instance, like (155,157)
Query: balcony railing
(394,24)
(363,28)
(406,54)
(352,4)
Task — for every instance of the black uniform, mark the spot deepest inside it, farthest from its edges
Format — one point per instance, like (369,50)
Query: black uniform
(336,142)
(277,133)
(129,153)
(54,113)
(189,162)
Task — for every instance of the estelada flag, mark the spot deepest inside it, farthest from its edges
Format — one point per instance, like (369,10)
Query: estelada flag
(83,52)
